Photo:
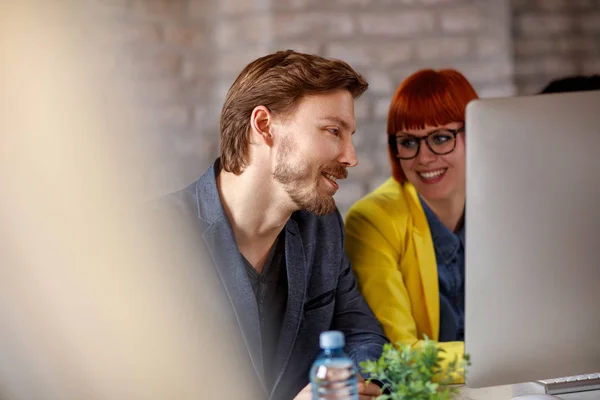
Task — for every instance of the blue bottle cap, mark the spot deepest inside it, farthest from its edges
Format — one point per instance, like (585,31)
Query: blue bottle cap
(331,340)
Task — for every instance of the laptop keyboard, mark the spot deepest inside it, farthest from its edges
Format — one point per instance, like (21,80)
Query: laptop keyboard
(572,384)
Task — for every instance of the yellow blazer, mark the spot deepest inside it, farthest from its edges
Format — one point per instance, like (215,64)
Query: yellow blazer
(391,250)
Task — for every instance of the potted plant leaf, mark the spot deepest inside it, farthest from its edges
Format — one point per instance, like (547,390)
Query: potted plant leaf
(408,373)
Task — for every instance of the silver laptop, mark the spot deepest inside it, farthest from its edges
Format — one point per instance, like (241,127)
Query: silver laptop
(533,238)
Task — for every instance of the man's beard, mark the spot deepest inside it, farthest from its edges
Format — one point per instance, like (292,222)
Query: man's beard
(294,181)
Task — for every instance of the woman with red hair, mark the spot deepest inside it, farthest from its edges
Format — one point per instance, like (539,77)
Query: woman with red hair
(406,239)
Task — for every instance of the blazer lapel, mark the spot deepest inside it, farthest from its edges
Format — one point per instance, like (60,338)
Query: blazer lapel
(227,259)
(426,258)
(297,270)
(229,264)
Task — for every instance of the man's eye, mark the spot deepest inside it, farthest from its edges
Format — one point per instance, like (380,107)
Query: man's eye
(335,131)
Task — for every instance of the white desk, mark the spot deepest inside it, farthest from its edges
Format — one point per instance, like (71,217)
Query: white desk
(509,391)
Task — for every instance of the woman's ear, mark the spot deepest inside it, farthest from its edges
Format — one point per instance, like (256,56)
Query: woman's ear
(261,124)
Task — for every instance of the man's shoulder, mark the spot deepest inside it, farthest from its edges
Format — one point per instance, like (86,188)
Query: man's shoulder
(198,199)
(177,212)
(182,201)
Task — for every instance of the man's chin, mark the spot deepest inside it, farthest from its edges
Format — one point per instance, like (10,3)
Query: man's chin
(322,206)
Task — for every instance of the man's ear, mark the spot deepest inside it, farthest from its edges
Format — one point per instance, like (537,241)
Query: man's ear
(261,123)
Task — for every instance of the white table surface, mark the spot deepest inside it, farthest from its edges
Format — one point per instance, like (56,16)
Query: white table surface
(492,393)
(509,392)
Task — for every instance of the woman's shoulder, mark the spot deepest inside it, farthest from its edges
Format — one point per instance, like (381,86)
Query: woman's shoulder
(389,201)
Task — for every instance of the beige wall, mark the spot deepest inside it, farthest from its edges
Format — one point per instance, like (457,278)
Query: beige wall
(186,53)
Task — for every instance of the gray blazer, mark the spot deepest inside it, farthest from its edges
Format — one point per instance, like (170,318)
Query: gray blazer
(322,290)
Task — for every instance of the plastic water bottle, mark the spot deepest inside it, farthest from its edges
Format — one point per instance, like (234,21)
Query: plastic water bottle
(333,375)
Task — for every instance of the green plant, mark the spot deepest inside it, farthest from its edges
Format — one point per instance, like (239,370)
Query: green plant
(408,373)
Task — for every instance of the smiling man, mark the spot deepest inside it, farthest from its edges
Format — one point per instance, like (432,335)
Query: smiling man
(269,220)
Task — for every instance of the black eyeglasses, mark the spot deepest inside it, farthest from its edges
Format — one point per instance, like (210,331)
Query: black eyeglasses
(440,142)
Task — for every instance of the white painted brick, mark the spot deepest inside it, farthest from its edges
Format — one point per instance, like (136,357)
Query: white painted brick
(491,46)
(192,36)
(237,7)
(173,116)
(196,68)
(533,87)
(553,67)
(389,55)
(582,44)
(443,48)
(345,5)
(379,82)
(161,9)
(320,24)
(495,71)
(239,32)
(361,112)
(590,22)
(382,161)
(100,5)
(560,66)
(294,4)
(528,68)
(319,4)
(400,74)
(520,5)
(378,180)
(532,24)
(220,90)
(166,120)
(591,66)
(193,148)
(382,3)
(366,54)
(231,62)
(382,108)
(562,5)
(155,64)
(349,192)
(463,19)
(365,168)
(302,46)
(407,23)
(201,9)
(534,46)
(504,90)
(206,116)
(374,131)
(355,54)
(162,91)
(131,34)
(436,2)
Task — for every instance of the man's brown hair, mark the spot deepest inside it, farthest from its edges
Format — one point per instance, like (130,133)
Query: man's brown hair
(278,81)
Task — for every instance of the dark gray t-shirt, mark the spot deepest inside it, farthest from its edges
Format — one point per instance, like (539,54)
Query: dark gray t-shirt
(271,291)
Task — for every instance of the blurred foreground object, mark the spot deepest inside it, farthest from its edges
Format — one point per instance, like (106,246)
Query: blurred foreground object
(94,304)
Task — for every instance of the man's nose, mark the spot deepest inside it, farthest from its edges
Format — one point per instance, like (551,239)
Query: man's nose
(348,155)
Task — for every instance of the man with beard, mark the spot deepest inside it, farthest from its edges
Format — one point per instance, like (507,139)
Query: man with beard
(269,220)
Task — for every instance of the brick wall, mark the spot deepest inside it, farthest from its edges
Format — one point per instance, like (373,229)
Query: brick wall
(186,53)
(554,38)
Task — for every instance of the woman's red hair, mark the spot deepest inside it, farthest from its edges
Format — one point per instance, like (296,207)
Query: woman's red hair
(427,97)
